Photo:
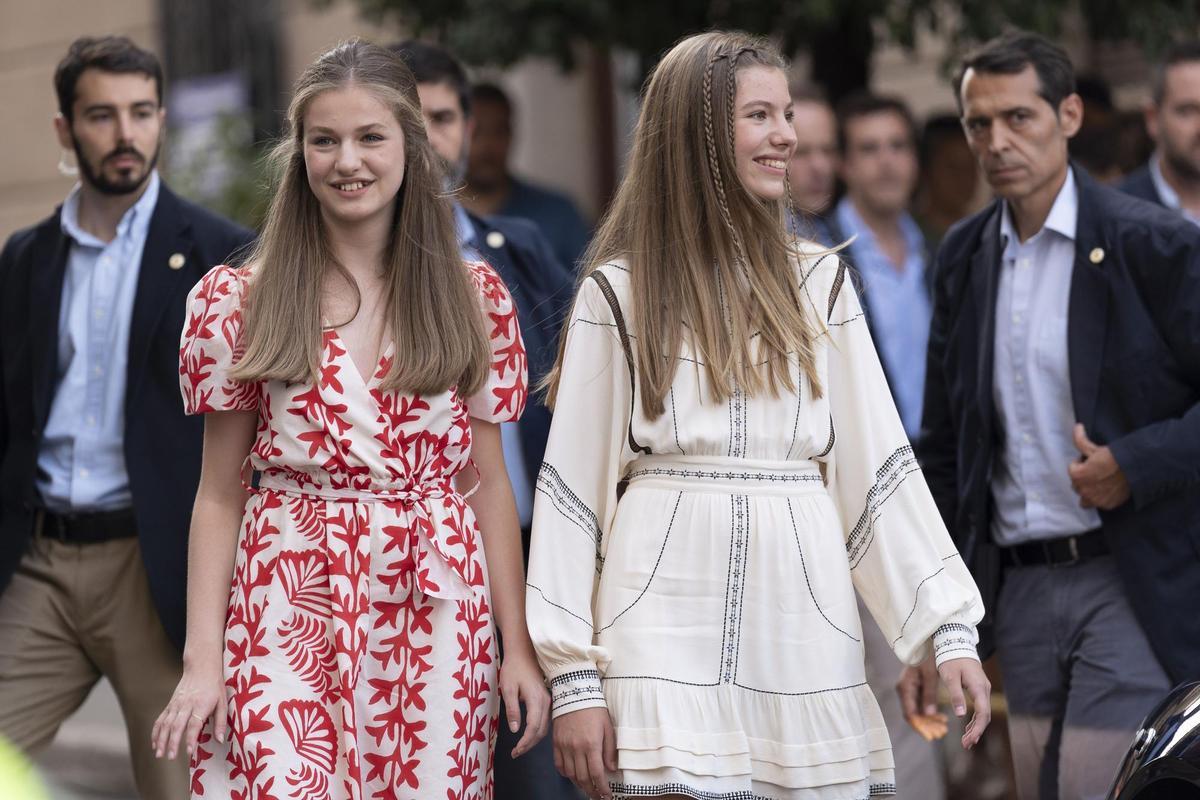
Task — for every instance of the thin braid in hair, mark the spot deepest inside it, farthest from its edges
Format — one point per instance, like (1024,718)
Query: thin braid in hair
(711,144)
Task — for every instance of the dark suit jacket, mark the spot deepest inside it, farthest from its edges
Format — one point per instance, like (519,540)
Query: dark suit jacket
(1133,339)
(162,446)
(542,290)
(1139,184)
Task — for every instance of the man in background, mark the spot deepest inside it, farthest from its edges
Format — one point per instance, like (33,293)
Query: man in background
(492,189)
(812,172)
(1172,176)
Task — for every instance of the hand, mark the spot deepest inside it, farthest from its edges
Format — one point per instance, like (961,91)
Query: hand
(917,688)
(1096,477)
(585,750)
(199,696)
(965,676)
(521,682)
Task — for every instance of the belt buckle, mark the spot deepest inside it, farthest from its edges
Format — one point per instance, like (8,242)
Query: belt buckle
(1072,547)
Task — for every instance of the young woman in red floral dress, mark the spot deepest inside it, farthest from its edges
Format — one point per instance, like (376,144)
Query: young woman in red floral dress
(342,618)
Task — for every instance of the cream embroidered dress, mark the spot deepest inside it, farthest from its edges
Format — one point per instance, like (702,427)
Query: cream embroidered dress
(711,607)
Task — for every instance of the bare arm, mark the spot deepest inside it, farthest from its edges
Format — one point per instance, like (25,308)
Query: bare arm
(496,513)
(212,543)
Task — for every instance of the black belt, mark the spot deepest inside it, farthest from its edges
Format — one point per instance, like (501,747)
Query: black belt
(87,527)
(1056,552)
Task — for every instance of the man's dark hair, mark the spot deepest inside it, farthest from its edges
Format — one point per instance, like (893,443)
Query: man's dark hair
(105,53)
(938,128)
(491,93)
(431,63)
(1011,53)
(865,104)
(1180,53)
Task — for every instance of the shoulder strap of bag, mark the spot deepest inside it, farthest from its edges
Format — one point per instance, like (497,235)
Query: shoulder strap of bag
(606,289)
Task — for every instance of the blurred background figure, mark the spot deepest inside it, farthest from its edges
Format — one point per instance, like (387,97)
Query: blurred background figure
(879,169)
(812,172)
(949,183)
(1095,147)
(1172,176)
(492,189)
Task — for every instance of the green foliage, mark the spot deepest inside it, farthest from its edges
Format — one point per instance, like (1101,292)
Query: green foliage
(501,32)
(229,175)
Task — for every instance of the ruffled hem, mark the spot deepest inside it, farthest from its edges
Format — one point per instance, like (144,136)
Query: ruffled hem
(640,784)
(726,738)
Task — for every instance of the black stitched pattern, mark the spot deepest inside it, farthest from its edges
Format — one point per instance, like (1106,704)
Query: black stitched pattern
(564,609)
(804,568)
(898,466)
(675,419)
(717,474)
(829,444)
(913,610)
(551,484)
(576,675)
(577,686)
(653,572)
(836,289)
(735,588)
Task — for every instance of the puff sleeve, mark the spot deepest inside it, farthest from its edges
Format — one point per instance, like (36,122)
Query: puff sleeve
(502,396)
(902,560)
(212,343)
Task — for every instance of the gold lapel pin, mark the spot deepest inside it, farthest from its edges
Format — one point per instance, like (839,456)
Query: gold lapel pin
(1097,255)
(176,261)
(495,240)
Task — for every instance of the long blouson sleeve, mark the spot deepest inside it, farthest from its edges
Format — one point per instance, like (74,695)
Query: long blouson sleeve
(902,560)
(575,503)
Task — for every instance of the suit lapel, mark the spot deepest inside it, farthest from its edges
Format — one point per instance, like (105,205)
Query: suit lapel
(1087,308)
(985,278)
(45,293)
(157,282)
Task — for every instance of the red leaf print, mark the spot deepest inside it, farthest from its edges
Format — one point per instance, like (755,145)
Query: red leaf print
(305,580)
(309,650)
(309,783)
(308,517)
(311,730)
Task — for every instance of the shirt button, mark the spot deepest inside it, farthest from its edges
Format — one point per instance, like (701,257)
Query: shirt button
(1018,379)
(1026,438)
(99,313)
(91,420)
(1024,262)
(1017,318)
(83,473)
(98,370)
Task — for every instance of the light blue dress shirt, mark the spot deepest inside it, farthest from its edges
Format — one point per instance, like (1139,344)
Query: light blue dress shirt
(1031,381)
(510,436)
(899,308)
(81,460)
(1169,196)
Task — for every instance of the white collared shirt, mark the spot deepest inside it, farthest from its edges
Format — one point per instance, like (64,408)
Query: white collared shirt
(1168,195)
(81,459)
(1031,384)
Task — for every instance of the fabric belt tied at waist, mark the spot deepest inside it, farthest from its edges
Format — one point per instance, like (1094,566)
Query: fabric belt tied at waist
(737,475)
(435,571)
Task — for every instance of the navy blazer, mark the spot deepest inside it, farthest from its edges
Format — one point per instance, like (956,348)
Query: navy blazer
(162,445)
(1133,340)
(542,289)
(1140,184)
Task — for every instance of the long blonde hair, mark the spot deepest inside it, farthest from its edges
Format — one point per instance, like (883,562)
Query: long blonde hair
(702,250)
(433,310)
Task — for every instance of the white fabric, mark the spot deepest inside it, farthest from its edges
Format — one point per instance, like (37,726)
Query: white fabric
(712,608)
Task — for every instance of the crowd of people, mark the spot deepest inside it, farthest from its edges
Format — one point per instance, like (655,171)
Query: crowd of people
(423,490)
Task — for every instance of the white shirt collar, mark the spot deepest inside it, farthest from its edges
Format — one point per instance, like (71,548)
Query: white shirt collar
(1062,219)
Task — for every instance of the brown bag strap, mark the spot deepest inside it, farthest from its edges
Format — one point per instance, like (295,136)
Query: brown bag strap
(606,289)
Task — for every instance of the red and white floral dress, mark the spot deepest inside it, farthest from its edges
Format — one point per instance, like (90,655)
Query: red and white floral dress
(360,658)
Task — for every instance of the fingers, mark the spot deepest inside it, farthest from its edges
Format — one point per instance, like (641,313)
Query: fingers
(222,719)
(610,747)
(596,769)
(1085,445)
(510,693)
(194,724)
(928,674)
(907,687)
(583,776)
(953,681)
(981,699)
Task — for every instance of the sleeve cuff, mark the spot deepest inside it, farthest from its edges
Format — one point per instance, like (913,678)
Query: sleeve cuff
(576,689)
(955,640)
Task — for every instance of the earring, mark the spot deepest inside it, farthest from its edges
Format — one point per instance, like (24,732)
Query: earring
(65,167)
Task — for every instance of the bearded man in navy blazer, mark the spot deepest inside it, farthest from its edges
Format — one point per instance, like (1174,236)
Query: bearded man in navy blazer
(98,464)
(1061,430)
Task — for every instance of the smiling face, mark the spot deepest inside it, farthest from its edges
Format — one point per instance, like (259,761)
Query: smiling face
(115,129)
(763,137)
(1018,138)
(353,155)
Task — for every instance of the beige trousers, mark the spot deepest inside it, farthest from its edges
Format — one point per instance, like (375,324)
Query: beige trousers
(72,614)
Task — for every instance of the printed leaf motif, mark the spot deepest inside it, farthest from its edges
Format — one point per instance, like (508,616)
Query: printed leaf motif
(311,730)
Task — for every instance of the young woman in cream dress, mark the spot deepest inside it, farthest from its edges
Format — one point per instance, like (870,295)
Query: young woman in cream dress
(725,469)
